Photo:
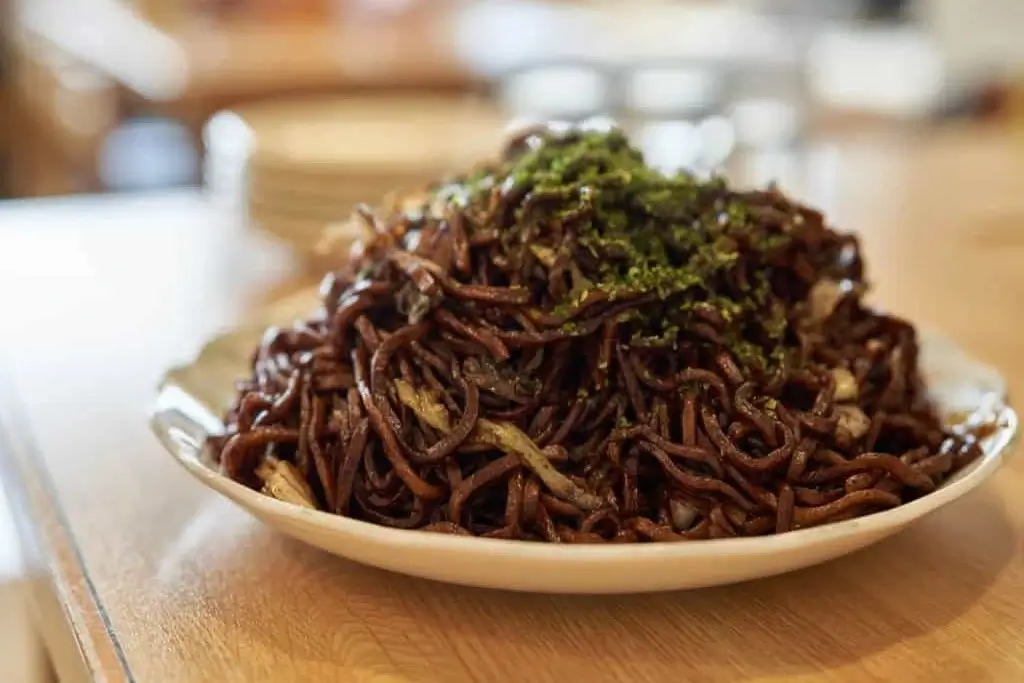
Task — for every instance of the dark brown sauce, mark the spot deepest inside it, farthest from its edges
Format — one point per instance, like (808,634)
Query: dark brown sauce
(466,378)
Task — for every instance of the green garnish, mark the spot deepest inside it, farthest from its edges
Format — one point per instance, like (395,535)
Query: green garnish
(633,231)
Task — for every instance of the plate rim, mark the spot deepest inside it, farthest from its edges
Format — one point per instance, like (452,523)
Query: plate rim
(189,456)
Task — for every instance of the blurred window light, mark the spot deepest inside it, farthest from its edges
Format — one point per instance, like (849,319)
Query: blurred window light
(717,140)
(656,90)
(497,36)
(712,31)
(891,71)
(502,35)
(565,91)
(975,37)
(765,122)
(670,146)
(601,123)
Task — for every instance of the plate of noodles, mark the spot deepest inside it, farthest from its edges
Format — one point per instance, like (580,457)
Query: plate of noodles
(565,371)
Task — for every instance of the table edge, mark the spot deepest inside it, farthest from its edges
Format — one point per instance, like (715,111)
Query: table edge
(52,558)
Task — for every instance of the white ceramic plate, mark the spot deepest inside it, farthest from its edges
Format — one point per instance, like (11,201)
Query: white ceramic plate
(191,398)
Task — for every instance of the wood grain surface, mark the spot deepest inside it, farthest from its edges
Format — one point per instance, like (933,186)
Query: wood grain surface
(159,580)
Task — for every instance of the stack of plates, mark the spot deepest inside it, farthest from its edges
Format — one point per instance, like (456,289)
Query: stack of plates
(298,167)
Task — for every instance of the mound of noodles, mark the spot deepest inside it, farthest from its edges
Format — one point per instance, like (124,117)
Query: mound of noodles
(567,345)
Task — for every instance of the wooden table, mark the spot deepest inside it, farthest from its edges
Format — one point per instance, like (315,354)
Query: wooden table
(151,578)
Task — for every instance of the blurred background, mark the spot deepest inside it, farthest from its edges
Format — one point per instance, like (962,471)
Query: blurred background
(294,109)
(122,95)
(287,112)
